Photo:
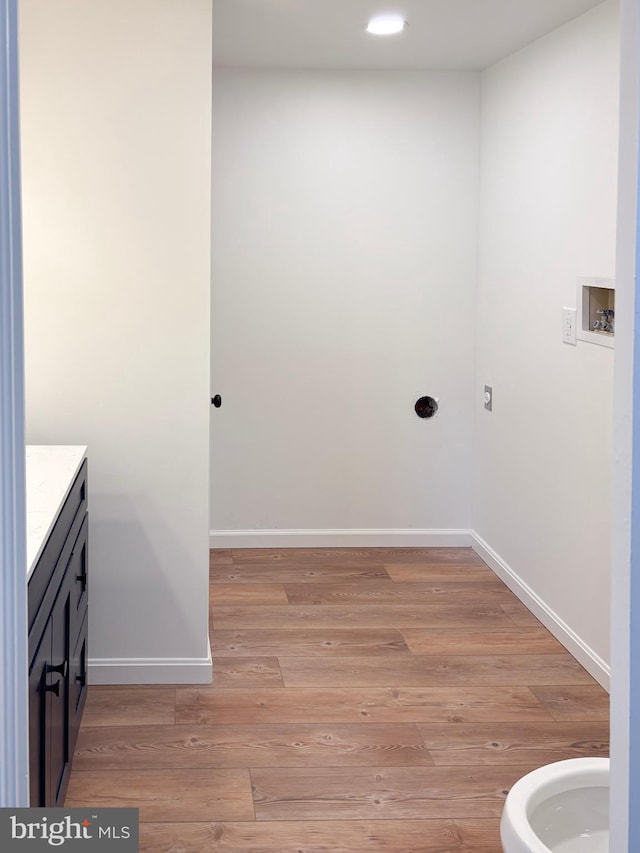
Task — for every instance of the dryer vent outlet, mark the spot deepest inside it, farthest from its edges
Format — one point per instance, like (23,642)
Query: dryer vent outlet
(426,407)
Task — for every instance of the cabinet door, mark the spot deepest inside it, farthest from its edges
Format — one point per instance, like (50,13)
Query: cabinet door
(57,688)
(48,708)
(38,728)
(77,684)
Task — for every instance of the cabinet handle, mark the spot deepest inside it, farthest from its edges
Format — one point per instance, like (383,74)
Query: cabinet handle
(82,579)
(81,680)
(53,688)
(62,668)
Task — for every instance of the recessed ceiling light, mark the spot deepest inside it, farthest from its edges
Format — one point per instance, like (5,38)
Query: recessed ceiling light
(386,25)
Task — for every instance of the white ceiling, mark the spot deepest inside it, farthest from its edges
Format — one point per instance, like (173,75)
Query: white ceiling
(465,35)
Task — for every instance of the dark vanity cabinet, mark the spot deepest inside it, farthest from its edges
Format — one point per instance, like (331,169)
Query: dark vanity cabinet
(58,648)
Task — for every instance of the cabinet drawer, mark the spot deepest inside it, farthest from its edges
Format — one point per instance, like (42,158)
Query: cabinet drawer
(46,576)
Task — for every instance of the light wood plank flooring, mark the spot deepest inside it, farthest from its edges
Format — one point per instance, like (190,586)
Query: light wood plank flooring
(364,701)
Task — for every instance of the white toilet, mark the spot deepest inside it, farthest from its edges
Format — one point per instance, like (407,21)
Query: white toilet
(560,808)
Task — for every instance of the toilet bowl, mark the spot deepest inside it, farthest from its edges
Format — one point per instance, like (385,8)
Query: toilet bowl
(560,808)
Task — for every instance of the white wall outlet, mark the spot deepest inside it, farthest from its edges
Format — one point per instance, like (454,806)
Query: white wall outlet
(569,322)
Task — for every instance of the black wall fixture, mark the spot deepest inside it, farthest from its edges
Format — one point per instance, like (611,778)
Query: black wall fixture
(426,407)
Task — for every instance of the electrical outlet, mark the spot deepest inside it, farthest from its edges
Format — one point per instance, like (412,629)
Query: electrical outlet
(488,398)
(569,322)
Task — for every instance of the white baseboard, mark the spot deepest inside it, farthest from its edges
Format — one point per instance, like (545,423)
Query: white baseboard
(199,670)
(395,538)
(583,653)
(150,670)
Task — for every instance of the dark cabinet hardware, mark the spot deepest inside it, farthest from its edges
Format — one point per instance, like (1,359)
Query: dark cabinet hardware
(54,688)
(217,401)
(62,668)
(81,680)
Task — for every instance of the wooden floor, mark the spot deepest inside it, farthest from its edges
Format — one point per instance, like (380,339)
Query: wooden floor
(364,701)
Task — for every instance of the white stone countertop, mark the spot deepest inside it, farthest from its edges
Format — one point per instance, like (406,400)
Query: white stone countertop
(51,470)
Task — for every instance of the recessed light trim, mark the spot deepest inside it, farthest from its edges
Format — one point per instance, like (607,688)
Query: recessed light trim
(386,25)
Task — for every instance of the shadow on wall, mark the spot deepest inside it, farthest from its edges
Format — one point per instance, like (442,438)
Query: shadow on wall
(130,585)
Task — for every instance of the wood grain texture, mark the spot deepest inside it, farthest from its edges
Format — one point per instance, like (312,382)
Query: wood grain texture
(126,706)
(359,616)
(481,641)
(220,557)
(329,641)
(381,793)
(174,795)
(247,593)
(246,672)
(433,556)
(532,744)
(390,592)
(297,572)
(589,702)
(330,836)
(438,572)
(519,614)
(372,704)
(379,700)
(433,671)
(284,745)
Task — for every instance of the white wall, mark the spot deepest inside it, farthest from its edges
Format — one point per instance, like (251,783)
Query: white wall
(116,104)
(542,489)
(344,274)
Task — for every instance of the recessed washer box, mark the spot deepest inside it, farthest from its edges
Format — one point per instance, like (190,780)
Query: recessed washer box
(596,310)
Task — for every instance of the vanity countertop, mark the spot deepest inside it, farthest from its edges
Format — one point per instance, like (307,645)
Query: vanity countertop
(51,470)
